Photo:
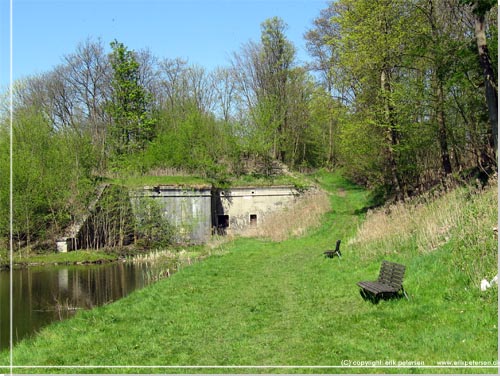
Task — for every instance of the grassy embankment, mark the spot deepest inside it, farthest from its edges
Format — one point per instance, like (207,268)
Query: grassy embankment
(264,303)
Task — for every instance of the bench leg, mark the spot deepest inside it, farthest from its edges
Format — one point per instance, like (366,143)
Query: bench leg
(404,293)
(374,298)
(363,294)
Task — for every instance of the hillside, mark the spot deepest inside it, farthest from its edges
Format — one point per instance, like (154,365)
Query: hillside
(259,302)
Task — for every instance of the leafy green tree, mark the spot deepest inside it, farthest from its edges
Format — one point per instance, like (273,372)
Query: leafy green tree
(326,118)
(133,125)
(480,8)
(277,56)
(405,72)
(51,178)
(371,49)
(4,185)
(193,141)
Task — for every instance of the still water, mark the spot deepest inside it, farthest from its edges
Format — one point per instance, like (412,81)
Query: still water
(44,295)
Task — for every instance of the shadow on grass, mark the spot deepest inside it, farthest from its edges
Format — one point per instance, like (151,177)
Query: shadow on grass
(375,299)
(365,209)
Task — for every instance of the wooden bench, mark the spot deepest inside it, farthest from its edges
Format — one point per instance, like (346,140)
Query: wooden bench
(388,285)
(335,252)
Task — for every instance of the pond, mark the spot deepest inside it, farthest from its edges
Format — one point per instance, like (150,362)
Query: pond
(42,295)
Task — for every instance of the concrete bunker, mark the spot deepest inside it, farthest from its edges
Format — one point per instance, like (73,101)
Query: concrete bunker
(242,207)
(201,212)
(196,213)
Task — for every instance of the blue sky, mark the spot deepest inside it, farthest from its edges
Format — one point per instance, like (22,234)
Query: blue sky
(205,32)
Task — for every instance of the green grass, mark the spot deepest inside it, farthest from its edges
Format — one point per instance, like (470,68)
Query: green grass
(184,180)
(141,181)
(263,303)
(298,181)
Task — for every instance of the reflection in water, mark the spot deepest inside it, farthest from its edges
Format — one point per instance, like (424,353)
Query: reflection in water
(43,295)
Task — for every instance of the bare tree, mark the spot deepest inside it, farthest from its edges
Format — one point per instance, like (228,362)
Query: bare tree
(172,81)
(224,91)
(321,44)
(200,88)
(88,74)
(62,102)
(246,66)
(149,75)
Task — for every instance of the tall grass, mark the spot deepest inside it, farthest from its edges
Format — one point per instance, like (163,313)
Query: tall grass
(461,220)
(162,263)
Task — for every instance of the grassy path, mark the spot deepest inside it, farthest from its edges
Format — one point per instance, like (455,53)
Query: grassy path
(267,303)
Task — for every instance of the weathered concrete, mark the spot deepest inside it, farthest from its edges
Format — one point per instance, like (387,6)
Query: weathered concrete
(195,212)
(188,209)
(238,208)
(62,245)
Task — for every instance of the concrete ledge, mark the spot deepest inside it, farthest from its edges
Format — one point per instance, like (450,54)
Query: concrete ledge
(62,245)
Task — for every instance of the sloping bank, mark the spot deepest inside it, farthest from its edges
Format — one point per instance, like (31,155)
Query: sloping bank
(265,303)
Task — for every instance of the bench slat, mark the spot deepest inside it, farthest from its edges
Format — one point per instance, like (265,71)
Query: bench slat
(377,287)
(389,282)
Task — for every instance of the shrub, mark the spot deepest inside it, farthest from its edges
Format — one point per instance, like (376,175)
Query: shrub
(152,228)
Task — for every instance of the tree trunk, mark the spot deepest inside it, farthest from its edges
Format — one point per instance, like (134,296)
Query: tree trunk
(331,123)
(443,140)
(440,68)
(489,77)
(330,143)
(391,135)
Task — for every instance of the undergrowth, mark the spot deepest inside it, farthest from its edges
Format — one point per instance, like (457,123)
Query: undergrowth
(461,221)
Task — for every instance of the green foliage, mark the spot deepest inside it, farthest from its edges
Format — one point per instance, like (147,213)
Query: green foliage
(130,108)
(137,181)
(4,183)
(151,228)
(360,145)
(51,177)
(278,51)
(262,132)
(110,223)
(413,102)
(193,141)
(325,117)
(73,257)
(401,90)
(277,56)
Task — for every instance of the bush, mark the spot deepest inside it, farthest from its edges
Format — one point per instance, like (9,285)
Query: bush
(152,228)
(51,177)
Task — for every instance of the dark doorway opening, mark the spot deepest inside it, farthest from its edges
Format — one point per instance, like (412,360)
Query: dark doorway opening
(222,224)
(253,219)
